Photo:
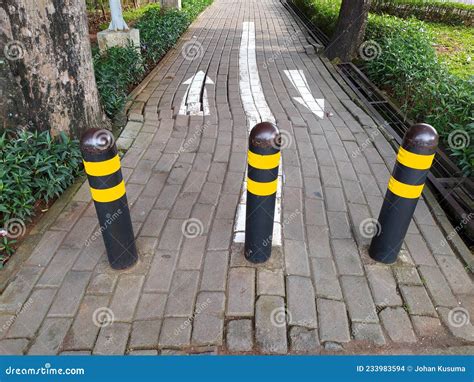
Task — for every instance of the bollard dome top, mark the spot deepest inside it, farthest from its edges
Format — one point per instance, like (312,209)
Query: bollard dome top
(421,136)
(265,135)
(97,140)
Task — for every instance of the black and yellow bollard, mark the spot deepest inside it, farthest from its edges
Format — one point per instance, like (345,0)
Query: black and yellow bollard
(262,185)
(404,189)
(102,166)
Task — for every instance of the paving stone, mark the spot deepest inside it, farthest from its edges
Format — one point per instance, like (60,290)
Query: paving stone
(154,223)
(31,315)
(270,331)
(208,325)
(437,287)
(143,352)
(339,225)
(58,267)
(241,292)
(13,346)
(214,276)
(126,297)
(112,339)
(296,258)
(81,233)
(383,286)
(333,324)
(87,323)
(301,302)
(368,332)
(417,300)
(270,282)
(19,288)
(175,332)
(436,240)
(221,234)
(458,322)
(456,275)
(46,248)
(161,272)
(347,258)
(407,275)
(172,235)
(325,278)
(418,250)
(239,336)
(397,324)
(315,212)
(318,242)
(182,294)
(50,336)
(428,327)
(70,294)
(304,340)
(358,299)
(145,334)
(151,306)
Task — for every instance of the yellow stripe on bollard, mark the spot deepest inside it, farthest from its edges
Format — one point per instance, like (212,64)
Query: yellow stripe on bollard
(110,194)
(264,162)
(416,161)
(405,190)
(262,188)
(104,168)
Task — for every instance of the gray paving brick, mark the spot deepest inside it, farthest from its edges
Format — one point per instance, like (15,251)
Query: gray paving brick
(339,225)
(315,212)
(172,235)
(112,339)
(18,290)
(167,197)
(58,267)
(86,325)
(208,325)
(270,332)
(31,315)
(437,287)
(214,276)
(303,340)
(102,283)
(239,336)
(126,297)
(154,223)
(13,346)
(325,278)
(46,248)
(241,292)
(182,294)
(417,300)
(175,332)
(70,294)
(151,306)
(383,286)
(368,332)
(270,282)
(418,250)
(333,324)
(296,258)
(50,336)
(318,242)
(428,327)
(301,302)
(184,205)
(397,324)
(436,240)
(210,193)
(407,275)
(145,334)
(221,234)
(347,258)
(161,272)
(82,231)
(359,300)
(456,275)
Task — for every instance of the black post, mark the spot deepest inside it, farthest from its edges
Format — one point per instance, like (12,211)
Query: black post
(102,166)
(262,184)
(404,189)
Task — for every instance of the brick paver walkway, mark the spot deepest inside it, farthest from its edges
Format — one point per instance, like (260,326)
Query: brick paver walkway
(192,290)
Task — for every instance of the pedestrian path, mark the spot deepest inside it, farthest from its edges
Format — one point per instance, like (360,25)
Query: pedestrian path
(192,291)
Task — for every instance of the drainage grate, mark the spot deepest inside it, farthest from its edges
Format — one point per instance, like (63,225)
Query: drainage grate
(454,192)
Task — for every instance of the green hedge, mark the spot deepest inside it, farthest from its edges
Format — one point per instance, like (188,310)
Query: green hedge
(33,167)
(409,70)
(120,69)
(434,11)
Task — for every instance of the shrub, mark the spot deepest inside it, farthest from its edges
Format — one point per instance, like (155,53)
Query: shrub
(33,167)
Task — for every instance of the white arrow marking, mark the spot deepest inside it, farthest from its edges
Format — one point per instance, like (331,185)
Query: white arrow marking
(298,80)
(191,104)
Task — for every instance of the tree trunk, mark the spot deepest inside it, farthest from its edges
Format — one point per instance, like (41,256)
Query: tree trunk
(350,30)
(47,48)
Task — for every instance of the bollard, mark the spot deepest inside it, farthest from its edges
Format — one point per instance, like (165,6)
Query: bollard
(102,166)
(413,164)
(262,184)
